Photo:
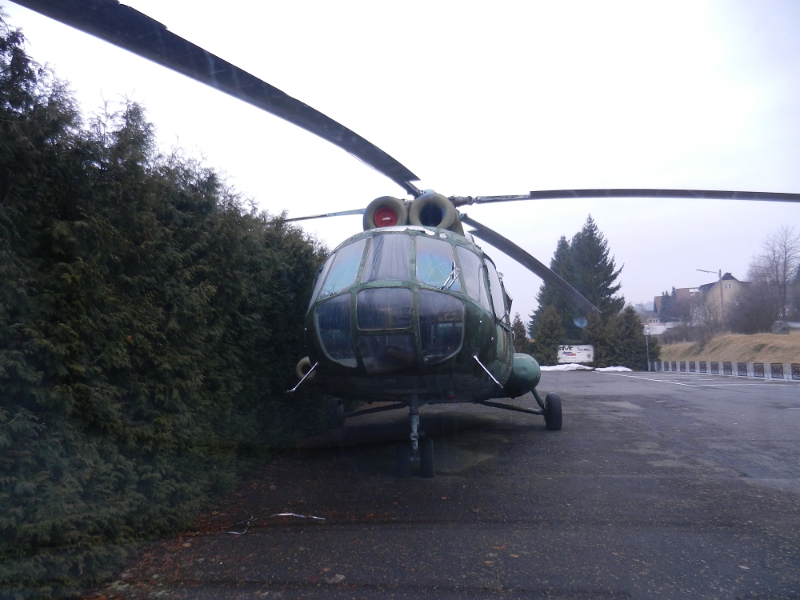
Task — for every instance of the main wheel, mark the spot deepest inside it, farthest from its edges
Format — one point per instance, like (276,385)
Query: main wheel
(336,413)
(552,412)
(426,457)
(403,468)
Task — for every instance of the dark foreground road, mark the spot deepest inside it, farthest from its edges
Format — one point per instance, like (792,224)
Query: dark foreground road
(661,485)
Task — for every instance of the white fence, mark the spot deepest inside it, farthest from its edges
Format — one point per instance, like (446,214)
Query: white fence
(783,371)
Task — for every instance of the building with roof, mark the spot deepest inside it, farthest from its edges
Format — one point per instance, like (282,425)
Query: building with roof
(708,301)
(722,293)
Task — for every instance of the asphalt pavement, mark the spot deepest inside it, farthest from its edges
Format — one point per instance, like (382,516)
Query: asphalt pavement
(661,485)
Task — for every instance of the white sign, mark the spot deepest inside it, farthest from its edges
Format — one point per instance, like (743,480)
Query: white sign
(575,354)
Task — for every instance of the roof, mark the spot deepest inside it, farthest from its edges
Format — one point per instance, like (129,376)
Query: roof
(707,286)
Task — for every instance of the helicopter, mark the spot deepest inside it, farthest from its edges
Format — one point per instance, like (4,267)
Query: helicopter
(410,309)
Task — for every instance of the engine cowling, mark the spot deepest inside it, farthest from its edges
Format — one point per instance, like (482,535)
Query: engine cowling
(385,211)
(433,210)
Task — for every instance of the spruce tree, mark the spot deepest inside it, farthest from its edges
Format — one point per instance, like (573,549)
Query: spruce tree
(668,306)
(595,334)
(626,344)
(549,337)
(594,272)
(584,263)
(561,265)
(520,339)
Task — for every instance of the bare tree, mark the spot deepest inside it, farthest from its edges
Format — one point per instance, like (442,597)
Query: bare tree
(776,268)
(707,319)
(754,310)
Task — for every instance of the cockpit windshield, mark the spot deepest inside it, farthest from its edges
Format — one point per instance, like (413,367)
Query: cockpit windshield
(436,264)
(387,258)
(344,268)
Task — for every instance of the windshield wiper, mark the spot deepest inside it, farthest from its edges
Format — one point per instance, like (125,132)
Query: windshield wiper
(452,278)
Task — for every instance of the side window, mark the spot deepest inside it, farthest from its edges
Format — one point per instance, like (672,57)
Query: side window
(496,289)
(472,271)
(333,326)
(344,268)
(436,265)
(323,272)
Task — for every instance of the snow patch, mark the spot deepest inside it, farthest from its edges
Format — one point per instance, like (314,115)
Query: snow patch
(577,367)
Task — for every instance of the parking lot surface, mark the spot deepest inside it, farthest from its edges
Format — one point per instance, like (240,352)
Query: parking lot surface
(659,485)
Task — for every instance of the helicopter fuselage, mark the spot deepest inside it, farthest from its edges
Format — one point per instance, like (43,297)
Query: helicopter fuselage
(412,312)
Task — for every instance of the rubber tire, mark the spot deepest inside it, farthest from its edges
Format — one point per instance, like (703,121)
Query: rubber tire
(552,412)
(403,468)
(303,367)
(426,467)
(336,413)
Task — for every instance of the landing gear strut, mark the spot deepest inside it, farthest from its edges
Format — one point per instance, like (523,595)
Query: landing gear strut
(415,449)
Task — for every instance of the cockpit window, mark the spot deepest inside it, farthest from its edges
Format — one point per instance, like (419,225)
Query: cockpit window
(441,325)
(387,258)
(323,272)
(496,289)
(471,270)
(384,308)
(333,326)
(436,265)
(344,268)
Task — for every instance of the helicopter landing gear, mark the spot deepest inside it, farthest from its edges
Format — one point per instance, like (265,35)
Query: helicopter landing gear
(552,412)
(426,458)
(415,449)
(403,469)
(336,413)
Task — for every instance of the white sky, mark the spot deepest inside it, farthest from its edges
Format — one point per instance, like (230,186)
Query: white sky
(492,98)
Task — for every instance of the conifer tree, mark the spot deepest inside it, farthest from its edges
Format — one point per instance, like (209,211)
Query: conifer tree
(549,337)
(626,345)
(520,339)
(595,334)
(584,263)
(668,306)
(594,272)
(561,265)
(149,326)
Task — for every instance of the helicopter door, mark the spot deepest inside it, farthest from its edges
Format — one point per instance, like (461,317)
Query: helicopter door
(504,341)
(498,295)
(472,272)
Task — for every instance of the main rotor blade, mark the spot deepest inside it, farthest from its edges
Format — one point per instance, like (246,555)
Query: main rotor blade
(630,193)
(341,213)
(132,30)
(508,247)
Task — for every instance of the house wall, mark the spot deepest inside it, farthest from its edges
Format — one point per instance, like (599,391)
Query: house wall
(731,289)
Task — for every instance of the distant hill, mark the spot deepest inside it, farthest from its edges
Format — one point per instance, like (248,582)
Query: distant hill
(761,347)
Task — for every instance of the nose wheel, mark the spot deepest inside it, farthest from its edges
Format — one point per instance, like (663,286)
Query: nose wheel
(405,457)
(426,457)
(403,469)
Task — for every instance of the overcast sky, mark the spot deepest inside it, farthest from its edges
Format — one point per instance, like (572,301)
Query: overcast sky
(491,98)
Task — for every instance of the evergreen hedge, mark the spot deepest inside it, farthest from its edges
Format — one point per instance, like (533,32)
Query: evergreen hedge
(149,325)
